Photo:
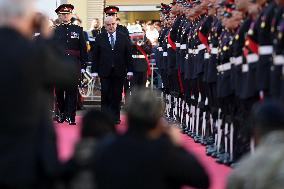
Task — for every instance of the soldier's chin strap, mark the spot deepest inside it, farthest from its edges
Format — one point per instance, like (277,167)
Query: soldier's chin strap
(147,60)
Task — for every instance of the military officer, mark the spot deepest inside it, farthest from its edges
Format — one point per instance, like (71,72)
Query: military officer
(141,49)
(71,38)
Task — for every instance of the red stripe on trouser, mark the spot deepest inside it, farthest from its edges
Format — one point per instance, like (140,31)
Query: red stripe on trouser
(180,81)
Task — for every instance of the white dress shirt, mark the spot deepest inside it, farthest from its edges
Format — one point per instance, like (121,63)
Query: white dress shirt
(114,37)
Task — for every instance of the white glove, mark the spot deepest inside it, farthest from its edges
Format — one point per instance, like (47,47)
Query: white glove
(94,74)
(129,75)
(83,71)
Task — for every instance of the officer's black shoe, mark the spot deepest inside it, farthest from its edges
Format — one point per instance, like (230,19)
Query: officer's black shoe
(60,118)
(72,121)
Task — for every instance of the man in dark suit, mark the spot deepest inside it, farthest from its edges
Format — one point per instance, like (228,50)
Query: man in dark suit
(25,144)
(149,155)
(112,62)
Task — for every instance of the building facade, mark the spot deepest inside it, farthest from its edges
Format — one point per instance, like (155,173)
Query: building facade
(130,10)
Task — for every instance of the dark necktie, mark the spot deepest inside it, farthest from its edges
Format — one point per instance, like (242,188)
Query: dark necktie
(112,41)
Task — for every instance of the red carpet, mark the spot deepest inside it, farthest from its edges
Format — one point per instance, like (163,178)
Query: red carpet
(67,137)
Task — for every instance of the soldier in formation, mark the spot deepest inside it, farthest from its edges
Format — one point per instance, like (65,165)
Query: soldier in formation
(217,58)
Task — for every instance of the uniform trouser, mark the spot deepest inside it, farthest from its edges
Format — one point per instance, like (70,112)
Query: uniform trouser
(111,95)
(165,81)
(139,79)
(187,89)
(242,142)
(202,87)
(212,100)
(67,100)
(174,82)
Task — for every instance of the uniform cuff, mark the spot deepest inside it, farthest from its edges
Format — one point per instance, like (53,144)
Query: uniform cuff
(130,74)
(94,74)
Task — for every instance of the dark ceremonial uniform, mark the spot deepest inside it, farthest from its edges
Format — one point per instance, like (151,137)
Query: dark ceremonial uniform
(265,49)
(249,89)
(203,35)
(140,63)
(164,62)
(224,88)
(159,54)
(211,76)
(172,68)
(279,51)
(278,59)
(183,53)
(203,57)
(238,56)
(71,38)
(178,41)
(240,115)
(195,60)
(190,65)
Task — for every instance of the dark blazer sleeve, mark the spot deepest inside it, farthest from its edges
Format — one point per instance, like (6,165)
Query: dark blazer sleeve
(184,168)
(96,55)
(83,49)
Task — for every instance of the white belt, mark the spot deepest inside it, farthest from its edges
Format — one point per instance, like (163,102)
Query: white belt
(160,48)
(214,51)
(265,50)
(252,58)
(245,68)
(206,55)
(177,44)
(232,60)
(138,56)
(195,51)
(238,60)
(183,46)
(278,60)
(165,53)
(186,56)
(201,47)
(190,51)
(224,67)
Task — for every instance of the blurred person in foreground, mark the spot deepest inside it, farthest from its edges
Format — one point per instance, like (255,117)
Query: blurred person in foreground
(112,63)
(96,126)
(264,168)
(27,140)
(149,155)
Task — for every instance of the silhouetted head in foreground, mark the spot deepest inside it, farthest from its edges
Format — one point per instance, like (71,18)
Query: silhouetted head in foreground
(97,124)
(267,117)
(144,110)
